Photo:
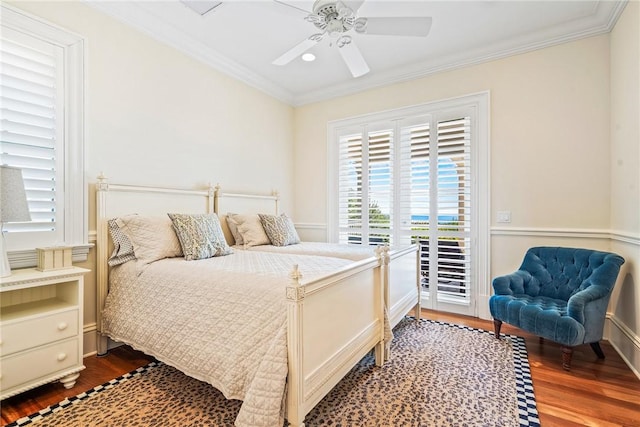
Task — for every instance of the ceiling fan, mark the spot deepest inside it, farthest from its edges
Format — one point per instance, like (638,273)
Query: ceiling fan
(337,19)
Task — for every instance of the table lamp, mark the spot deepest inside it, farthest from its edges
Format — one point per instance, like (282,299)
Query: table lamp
(13,207)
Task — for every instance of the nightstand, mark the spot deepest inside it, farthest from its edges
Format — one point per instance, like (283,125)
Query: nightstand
(41,328)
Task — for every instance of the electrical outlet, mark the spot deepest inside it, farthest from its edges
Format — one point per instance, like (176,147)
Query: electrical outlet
(504,217)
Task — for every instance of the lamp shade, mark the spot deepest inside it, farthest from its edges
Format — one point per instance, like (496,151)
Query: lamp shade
(13,198)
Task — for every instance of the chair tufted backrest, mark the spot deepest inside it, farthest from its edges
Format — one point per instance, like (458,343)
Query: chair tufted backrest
(558,272)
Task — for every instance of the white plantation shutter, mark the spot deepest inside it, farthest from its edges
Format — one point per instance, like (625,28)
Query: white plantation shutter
(418,175)
(380,192)
(42,133)
(31,117)
(365,186)
(415,178)
(350,191)
(432,192)
(453,211)
(436,200)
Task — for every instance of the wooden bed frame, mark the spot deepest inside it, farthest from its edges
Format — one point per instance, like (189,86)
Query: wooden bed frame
(333,321)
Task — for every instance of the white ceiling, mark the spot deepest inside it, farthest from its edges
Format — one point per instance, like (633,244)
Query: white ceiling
(242,38)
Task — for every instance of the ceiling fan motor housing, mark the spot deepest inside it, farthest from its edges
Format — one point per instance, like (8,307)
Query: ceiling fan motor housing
(332,17)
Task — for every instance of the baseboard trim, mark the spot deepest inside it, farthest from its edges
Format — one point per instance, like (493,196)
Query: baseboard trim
(625,342)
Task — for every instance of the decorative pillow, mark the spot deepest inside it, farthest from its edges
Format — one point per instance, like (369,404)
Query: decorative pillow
(280,229)
(250,227)
(153,238)
(122,246)
(200,235)
(232,223)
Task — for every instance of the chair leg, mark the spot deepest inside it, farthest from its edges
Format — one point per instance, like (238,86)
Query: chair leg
(497,324)
(597,349)
(567,352)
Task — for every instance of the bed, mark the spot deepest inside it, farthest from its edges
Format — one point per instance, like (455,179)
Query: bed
(306,347)
(402,281)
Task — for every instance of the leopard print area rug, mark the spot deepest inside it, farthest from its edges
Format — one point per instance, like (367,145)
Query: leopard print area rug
(439,374)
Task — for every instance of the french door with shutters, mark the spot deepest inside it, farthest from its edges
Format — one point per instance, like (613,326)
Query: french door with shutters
(410,179)
(438,214)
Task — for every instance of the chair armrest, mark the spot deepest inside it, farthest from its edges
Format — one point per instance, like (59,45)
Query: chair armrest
(578,302)
(512,283)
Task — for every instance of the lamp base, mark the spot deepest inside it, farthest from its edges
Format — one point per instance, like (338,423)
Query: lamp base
(5,267)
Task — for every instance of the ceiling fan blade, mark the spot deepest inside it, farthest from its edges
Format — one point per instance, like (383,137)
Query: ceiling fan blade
(409,26)
(294,52)
(292,9)
(354,59)
(353,4)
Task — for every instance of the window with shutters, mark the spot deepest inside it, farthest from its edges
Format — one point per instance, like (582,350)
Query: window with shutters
(41,130)
(411,176)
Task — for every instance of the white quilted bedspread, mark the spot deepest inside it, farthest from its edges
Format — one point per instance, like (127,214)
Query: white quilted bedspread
(337,250)
(220,320)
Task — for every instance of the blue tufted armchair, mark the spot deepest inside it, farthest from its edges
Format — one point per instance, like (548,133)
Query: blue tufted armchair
(560,294)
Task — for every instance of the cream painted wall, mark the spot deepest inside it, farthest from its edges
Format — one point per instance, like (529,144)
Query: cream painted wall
(625,179)
(157,116)
(546,106)
(549,133)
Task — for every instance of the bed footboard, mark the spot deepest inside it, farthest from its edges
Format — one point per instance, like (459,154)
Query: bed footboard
(402,292)
(333,322)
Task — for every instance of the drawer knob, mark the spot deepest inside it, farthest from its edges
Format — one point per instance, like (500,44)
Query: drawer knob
(62,326)
(61,357)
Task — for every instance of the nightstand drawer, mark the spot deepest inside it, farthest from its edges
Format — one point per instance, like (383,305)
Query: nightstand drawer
(42,363)
(18,336)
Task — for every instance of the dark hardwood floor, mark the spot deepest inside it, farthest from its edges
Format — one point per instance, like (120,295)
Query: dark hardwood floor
(595,392)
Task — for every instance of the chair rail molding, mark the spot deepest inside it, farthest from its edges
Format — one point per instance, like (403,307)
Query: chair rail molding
(311,225)
(587,233)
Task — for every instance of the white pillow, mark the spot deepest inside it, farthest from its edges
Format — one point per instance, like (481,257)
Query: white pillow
(250,228)
(232,223)
(153,238)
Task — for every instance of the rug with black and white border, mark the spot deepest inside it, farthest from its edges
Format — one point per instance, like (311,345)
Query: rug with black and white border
(527,411)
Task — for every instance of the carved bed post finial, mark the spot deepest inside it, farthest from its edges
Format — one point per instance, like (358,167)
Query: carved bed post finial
(102,184)
(382,253)
(295,292)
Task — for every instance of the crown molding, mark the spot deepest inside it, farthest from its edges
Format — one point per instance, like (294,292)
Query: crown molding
(602,20)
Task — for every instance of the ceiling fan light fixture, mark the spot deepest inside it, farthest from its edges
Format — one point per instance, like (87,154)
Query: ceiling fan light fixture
(308,57)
